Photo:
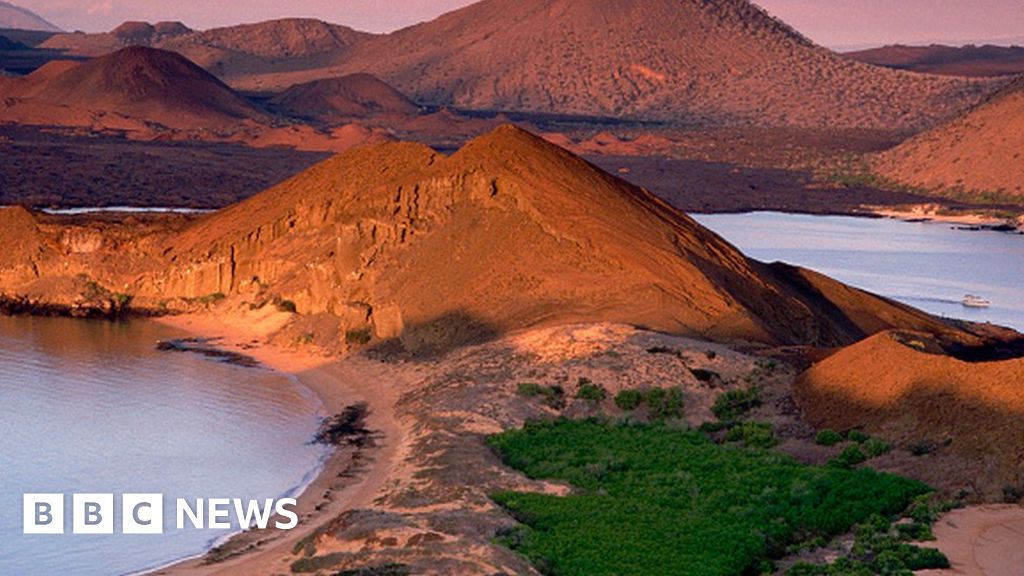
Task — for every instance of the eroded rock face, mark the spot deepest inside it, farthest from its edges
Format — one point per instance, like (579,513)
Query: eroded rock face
(398,242)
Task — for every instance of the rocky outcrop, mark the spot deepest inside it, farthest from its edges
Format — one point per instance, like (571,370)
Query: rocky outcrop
(397,242)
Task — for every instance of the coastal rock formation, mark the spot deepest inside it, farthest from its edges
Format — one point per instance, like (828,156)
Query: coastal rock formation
(509,232)
(398,242)
(980,154)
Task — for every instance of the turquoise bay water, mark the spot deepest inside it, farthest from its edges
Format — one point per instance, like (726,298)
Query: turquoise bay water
(929,265)
(92,407)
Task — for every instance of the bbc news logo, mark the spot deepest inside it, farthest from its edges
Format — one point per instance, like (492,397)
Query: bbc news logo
(144,513)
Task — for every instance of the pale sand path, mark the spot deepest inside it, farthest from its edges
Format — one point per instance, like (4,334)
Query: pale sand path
(981,541)
(338,383)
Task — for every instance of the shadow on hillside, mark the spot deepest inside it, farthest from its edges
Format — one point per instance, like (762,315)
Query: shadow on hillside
(437,337)
(943,436)
(706,186)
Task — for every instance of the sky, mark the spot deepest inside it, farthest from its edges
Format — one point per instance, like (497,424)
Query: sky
(839,24)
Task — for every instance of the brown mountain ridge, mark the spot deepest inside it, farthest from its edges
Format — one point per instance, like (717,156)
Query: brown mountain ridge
(228,52)
(664,60)
(668,60)
(979,154)
(971,60)
(510,232)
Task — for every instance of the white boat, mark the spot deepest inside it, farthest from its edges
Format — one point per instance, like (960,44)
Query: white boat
(972,301)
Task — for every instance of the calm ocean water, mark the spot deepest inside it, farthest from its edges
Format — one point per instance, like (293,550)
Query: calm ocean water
(92,407)
(928,265)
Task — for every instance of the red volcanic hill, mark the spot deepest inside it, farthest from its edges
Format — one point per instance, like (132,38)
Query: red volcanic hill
(980,152)
(674,60)
(508,233)
(903,387)
(229,51)
(335,99)
(971,60)
(146,84)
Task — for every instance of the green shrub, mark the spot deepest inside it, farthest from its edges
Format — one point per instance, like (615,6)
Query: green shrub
(629,399)
(121,300)
(591,392)
(712,427)
(753,435)
(734,404)
(360,337)
(857,436)
(849,457)
(529,389)
(553,396)
(650,500)
(286,306)
(390,569)
(875,447)
(828,438)
(879,548)
(666,403)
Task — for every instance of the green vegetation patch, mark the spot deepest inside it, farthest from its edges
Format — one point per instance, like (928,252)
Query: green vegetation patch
(655,499)
(552,396)
(881,547)
(753,434)
(591,392)
(828,438)
(662,403)
(734,404)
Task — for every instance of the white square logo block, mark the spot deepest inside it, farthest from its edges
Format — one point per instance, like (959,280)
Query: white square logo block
(43,513)
(92,513)
(142,513)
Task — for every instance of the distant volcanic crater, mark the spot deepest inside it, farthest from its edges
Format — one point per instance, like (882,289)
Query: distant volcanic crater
(334,99)
(147,84)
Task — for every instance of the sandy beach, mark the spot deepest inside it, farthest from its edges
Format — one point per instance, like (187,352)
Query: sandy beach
(350,478)
(981,541)
(931,213)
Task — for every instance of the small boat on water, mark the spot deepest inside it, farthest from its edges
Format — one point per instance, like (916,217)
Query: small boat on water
(972,301)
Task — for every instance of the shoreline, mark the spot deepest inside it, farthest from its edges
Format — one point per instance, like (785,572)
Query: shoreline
(969,219)
(348,477)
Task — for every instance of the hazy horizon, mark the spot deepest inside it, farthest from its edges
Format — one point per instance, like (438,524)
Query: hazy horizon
(837,24)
